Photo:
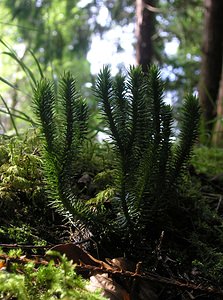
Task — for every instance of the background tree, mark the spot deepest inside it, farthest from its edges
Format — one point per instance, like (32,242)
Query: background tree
(63,31)
(217,138)
(60,33)
(211,68)
(145,29)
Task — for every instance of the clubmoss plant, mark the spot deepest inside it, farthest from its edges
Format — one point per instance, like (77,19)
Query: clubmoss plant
(149,166)
(63,119)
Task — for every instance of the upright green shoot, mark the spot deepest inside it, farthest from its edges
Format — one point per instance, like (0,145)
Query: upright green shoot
(148,164)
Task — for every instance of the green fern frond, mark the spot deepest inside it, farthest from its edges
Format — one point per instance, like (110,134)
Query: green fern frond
(63,119)
(147,168)
(105,93)
(146,163)
(115,118)
(156,141)
(165,153)
(190,116)
(121,108)
(155,96)
(159,113)
(138,113)
(74,122)
(44,104)
(102,196)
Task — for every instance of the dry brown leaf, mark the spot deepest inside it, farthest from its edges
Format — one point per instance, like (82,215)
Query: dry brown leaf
(110,289)
(122,264)
(80,256)
(2,264)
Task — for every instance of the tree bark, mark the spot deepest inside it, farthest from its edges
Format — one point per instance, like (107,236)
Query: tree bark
(145,28)
(217,138)
(211,66)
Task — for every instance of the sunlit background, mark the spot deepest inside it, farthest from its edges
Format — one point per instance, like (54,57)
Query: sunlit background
(82,36)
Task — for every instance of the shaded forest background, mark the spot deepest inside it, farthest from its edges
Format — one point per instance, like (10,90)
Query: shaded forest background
(60,34)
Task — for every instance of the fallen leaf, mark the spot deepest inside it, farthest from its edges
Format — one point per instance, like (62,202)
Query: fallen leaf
(110,289)
(79,256)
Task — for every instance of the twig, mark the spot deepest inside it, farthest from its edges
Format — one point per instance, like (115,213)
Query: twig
(219,203)
(153,9)
(23,260)
(179,283)
(21,246)
(182,284)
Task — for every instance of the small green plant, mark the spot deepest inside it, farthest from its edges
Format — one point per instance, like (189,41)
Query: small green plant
(25,214)
(45,283)
(63,119)
(149,166)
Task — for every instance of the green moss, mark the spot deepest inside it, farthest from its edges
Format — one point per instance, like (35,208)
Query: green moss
(208,160)
(25,213)
(45,283)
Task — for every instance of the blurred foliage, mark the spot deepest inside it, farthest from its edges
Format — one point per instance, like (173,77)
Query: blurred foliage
(60,34)
(208,160)
(61,31)
(176,21)
(52,28)
(177,24)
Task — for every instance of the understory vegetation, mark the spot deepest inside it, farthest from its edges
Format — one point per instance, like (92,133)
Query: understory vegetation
(25,282)
(143,194)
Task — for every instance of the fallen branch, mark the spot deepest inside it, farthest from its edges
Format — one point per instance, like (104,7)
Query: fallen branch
(148,276)
(180,283)
(21,246)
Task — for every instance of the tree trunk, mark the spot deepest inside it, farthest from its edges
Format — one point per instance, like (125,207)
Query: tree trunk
(145,27)
(218,129)
(211,67)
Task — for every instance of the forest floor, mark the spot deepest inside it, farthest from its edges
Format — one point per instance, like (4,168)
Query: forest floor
(27,223)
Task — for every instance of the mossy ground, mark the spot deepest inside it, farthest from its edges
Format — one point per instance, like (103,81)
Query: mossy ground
(193,240)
